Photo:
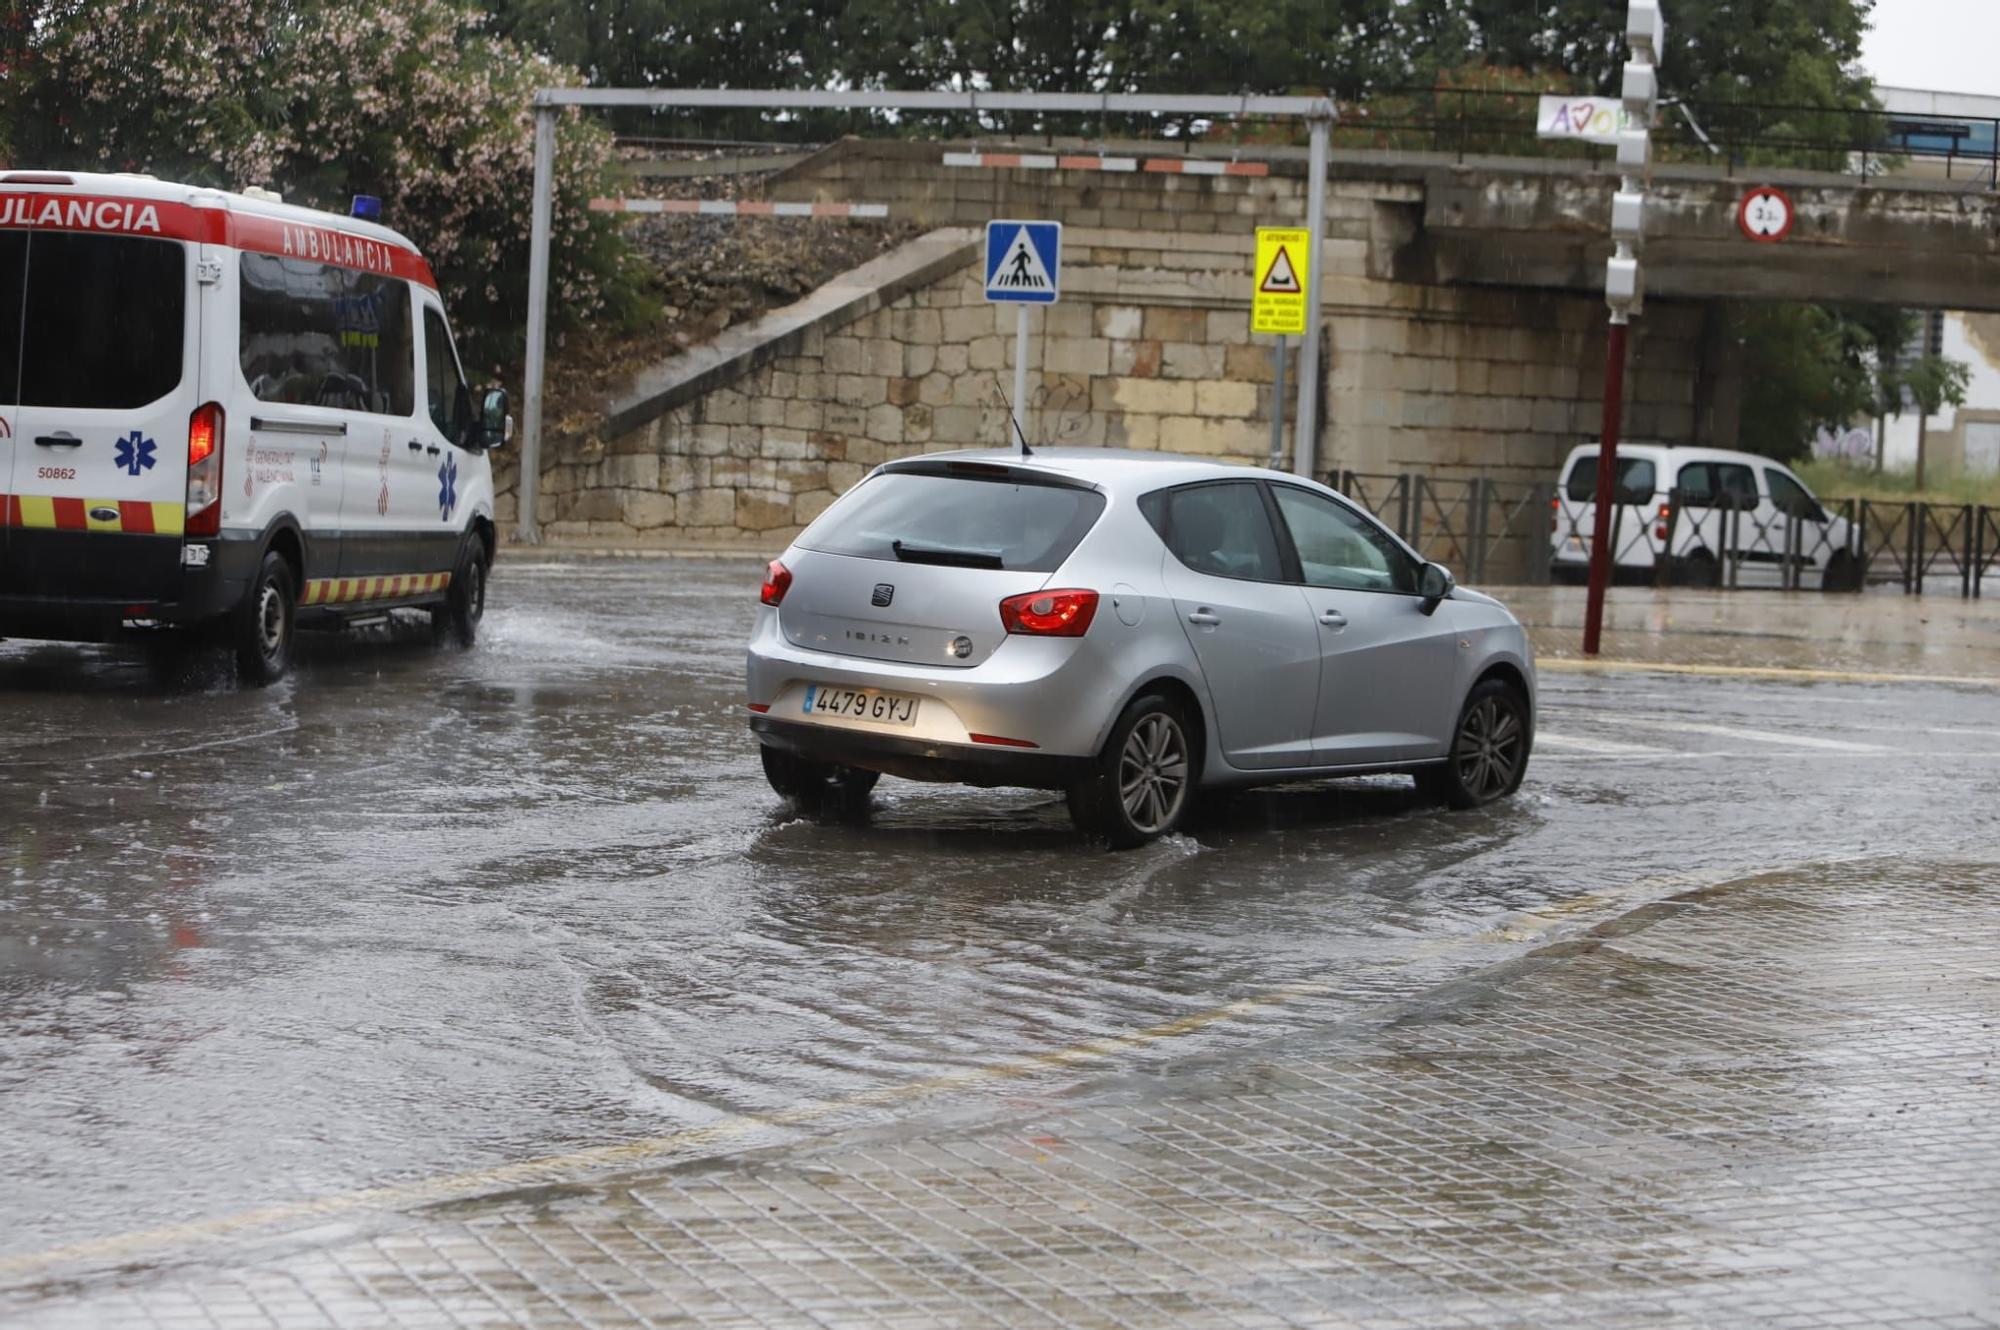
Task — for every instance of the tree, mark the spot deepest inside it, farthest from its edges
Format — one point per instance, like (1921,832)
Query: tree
(1807,367)
(408,100)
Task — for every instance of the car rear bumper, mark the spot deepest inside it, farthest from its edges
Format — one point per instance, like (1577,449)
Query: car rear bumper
(921,759)
(85,586)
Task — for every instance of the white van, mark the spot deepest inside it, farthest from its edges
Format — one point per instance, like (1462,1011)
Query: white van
(221,412)
(1741,517)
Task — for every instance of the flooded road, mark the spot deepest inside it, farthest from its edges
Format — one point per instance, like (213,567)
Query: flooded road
(419,911)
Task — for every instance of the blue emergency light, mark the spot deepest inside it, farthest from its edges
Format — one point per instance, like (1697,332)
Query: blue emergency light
(367,207)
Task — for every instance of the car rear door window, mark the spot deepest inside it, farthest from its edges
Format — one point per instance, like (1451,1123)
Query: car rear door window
(1339,548)
(13,288)
(1222,529)
(1636,478)
(1792,498)
(1737,484)
(103,322)
(1697,485)
(971,520)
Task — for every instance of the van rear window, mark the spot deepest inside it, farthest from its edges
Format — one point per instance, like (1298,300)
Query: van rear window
(312,334)
(94,322)
(1636,479)
(974,522)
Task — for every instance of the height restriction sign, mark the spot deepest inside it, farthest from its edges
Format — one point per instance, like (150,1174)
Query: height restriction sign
(1278,298)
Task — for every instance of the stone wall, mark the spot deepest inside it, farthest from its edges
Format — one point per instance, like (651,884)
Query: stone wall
(1150,348)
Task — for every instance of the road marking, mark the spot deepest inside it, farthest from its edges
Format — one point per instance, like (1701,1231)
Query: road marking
(1755,736)
(1600,747)
(1565,665)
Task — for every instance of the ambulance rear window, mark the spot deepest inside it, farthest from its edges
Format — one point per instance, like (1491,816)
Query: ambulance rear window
(313,334)
(96,322)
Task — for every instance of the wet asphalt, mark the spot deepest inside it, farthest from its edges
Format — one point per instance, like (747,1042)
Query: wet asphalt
(417,911)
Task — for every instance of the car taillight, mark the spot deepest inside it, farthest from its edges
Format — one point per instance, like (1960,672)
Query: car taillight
(777,581)
(1660,531)
(1049,613)
(1555,514)
(204,482)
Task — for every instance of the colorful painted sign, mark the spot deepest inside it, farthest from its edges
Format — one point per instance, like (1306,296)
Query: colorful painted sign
(1582,119)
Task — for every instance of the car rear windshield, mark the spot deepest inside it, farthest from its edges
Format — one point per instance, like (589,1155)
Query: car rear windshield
(1636,479)
(90,322)
(970,521)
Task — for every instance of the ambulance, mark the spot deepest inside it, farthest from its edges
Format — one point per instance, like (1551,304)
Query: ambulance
(224,414)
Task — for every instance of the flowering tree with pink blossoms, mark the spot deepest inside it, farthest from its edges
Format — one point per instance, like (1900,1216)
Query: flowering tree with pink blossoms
(409,100)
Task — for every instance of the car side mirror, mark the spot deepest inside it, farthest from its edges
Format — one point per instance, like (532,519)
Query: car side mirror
(496,426)
(1434,583)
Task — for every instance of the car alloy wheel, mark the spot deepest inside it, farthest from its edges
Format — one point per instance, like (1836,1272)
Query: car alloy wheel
(1488,752)
(1153,772)
(1489,749)
(1144,779)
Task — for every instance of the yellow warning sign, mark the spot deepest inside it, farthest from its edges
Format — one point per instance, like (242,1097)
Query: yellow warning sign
(1278,298)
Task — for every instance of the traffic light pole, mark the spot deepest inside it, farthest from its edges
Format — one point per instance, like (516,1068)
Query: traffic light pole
(1601,554)
(1624,286)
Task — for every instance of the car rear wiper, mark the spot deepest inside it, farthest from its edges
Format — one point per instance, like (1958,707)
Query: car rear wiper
(955,558)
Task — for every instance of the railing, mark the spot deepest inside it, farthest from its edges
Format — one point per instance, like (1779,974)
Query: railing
(1508,532)
(1733,135)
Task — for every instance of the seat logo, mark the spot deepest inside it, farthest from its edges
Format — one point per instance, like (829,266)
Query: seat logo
(884,593)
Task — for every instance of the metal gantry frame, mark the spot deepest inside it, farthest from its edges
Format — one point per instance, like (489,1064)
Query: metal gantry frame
(1318,112)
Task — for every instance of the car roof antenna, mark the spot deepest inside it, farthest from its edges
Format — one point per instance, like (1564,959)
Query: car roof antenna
(1026,451)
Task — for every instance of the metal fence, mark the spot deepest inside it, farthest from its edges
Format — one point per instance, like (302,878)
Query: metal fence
(1496,531)
(1734,135)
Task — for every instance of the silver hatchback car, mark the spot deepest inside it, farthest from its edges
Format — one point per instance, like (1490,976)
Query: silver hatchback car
(1129,628)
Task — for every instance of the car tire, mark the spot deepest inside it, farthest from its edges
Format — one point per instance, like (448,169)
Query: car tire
(260,630)
(1844,574)
(818,787)
(1490,746)
(1698,569)
(457,620)
(1143,781)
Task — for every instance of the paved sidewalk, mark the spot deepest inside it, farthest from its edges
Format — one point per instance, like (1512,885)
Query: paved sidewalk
(1774,1102)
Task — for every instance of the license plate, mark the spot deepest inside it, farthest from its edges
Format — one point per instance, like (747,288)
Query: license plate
(861,704)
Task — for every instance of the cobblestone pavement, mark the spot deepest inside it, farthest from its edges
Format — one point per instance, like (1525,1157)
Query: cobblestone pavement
(1772,1102)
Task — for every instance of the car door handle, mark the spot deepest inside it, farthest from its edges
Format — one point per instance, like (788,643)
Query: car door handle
(1333,619)
(1206,618)
(416,447)
(58,441)
(433,450)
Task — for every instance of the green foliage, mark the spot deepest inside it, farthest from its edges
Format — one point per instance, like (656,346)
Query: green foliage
(322,99)
(1807,367)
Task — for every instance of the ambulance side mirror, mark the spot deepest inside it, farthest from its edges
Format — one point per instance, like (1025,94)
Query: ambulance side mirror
(496,425)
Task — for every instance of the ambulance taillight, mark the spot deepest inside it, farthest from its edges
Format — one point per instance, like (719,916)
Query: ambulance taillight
(204,487)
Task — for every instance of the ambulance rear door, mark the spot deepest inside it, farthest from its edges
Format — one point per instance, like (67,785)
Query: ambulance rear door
(107,380)
(13,278)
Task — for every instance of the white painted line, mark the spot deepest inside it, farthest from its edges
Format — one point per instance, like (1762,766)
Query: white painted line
(1602,747)
(1755,736)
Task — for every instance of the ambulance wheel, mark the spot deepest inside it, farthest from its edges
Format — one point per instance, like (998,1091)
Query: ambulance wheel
(261,632)
(457,620)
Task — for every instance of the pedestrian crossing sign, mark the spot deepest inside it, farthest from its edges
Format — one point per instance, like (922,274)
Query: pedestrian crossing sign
(1278,296)
(1023,262)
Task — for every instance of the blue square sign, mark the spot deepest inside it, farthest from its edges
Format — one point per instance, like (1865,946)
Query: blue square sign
(1023,262)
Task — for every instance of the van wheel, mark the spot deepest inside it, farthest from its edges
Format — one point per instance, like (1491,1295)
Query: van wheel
(457,620)
(818,787)
(1844,573)
(1144,779)
(261,628)
(1489,749)
(1698,570)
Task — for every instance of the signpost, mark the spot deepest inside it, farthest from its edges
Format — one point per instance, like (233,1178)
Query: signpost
(1624,284)
(1023,268)
(1278,306)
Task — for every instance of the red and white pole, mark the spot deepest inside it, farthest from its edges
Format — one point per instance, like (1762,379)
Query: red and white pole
(1624,285)
(1607,483)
